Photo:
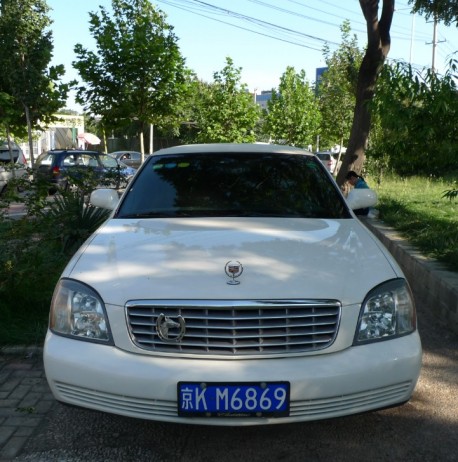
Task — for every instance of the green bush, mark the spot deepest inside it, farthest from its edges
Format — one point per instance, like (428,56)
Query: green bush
(414,116)
(30,264)
(33,253)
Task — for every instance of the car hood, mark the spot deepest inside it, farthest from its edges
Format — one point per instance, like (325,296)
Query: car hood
(186,259)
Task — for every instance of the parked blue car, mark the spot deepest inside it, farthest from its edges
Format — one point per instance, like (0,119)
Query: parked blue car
(62,167)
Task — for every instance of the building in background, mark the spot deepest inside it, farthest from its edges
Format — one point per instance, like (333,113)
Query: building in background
(62,134)
(263,98)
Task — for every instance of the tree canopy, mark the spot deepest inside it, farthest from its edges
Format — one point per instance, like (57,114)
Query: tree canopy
(32,90)
(225,112)
(293,116)
(137,72)
(442,10)
(337,89)
(418,112)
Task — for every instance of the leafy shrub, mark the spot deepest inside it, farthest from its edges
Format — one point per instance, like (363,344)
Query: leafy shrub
(69,220)
(416,117)
(450,194)
(34,251)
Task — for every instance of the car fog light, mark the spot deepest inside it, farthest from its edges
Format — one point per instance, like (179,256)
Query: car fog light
(78,311)
(388,311)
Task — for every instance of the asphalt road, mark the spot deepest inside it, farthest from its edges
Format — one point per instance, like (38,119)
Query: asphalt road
(425,429)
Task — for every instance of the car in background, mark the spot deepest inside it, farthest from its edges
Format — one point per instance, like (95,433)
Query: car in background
(328,160)
(61,166)
(130,158)
(13,164)
(232,285)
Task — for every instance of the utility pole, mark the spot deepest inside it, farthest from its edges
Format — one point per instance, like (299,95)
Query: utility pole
(433,62)
(434,43)
(151,138)
(411,39)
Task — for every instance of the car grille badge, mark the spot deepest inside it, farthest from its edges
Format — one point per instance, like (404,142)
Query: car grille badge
(170,331)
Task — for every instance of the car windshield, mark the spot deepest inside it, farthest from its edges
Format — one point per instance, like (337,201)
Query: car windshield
(245,185)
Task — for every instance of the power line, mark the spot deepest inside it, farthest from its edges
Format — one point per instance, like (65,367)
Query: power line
(277,32)
(396,32)
(262,23)
(213,9)
(296,14)
(326,3)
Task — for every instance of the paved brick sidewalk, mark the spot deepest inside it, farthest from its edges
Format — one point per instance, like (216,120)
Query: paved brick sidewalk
(25,399)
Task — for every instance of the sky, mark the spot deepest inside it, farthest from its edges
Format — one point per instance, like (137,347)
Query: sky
(262,38)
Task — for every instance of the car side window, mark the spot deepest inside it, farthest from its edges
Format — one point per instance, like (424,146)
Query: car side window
(91,161)
(107,161)
(69,161)
(80,161)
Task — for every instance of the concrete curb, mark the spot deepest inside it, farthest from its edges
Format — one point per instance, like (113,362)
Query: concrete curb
(431,282)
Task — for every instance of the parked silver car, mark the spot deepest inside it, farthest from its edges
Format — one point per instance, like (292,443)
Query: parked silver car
(130,158)
(328,160)
(13,163)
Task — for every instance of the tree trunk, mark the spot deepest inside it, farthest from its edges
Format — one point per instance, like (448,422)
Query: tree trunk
(378,46)
(142,145)
(105,144)
(10,148)
(29,132)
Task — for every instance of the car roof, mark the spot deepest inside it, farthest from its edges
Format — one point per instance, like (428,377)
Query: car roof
(215,148)
(72,151)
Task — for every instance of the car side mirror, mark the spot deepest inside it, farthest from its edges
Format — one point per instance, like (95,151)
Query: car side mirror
(361,198)
(104,198)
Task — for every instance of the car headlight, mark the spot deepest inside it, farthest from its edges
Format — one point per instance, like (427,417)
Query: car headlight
(388,311)
(77,311)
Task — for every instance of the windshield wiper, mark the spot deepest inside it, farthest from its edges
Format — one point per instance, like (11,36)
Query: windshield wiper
(154,215)
(246,213)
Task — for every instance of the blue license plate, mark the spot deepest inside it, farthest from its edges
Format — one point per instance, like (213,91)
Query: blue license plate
(260,399)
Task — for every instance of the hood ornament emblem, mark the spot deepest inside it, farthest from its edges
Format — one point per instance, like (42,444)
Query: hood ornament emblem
(233,269)
(170,331)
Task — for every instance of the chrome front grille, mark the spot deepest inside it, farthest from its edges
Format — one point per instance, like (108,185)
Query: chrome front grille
(260,327)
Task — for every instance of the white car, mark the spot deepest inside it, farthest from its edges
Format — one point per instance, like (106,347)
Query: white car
(232,285)
(328,160)
(13,164)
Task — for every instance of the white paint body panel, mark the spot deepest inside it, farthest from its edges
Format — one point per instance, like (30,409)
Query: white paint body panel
(185,259)
(354,380)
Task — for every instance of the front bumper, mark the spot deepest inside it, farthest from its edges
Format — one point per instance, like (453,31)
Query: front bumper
(355,380)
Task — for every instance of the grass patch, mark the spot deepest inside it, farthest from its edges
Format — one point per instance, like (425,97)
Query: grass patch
(415,207)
